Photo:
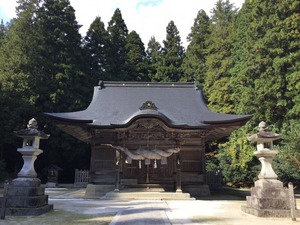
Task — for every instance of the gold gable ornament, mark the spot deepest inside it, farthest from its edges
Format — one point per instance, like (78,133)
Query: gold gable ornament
(148,105)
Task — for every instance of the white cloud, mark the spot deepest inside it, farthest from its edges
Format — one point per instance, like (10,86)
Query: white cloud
(7,9)
(147,17)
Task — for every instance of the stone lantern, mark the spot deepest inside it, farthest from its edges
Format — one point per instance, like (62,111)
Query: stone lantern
(30,149)
(52,177)
(25,196)
(268,198)
(265,153)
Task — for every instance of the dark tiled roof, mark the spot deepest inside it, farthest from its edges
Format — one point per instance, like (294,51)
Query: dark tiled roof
(117,104)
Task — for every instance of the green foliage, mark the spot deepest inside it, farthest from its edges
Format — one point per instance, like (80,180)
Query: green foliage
(169,68)
(96,44)
(60,81)
(218,60)
(136,57)
(154,56)
(41,70)
(248,62)
(194,63)
(3,31)
(266,60)
(16,95)
(287,161)
(212,162)
(236,160)
(119,66)
(264,76)
(288,47)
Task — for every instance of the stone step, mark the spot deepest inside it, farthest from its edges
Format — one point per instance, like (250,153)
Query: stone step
(150,187)
(148,195)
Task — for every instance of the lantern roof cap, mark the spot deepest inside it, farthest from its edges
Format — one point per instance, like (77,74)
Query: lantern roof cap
(264,134)
(31,131)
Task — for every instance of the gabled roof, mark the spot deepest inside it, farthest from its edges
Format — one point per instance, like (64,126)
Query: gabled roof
(117,104)
(178,105)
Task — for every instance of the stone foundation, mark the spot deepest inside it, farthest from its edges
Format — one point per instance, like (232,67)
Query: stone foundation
(196,190)
(269,199)
(97,190)
(51,185)
(26,197)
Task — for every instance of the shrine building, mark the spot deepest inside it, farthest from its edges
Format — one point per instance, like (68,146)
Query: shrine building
(146,133)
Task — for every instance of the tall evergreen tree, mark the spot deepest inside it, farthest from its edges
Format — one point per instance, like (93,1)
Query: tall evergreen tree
(15,60)
(235,157)
(218,61)
(243,76)
(136,57)
(17,97)
(173,55)
(96,44)
(119,68)
(286,55)
(61,84)
(265,82)
(154,56)
(3,31)
(266,71)
(194,63)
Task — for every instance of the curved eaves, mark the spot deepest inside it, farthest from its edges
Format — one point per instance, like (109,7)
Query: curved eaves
(68,117)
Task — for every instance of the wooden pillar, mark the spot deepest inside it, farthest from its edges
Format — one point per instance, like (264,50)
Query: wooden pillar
(118,164)
(178,173)
(92,162)
(147,176)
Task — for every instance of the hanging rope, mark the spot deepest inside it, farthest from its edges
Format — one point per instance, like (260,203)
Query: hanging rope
(142,154)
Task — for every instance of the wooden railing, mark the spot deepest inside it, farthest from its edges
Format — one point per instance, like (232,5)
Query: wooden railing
(81,178)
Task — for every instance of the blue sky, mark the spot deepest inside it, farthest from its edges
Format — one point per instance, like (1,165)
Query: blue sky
(147,17)
(147,3)
(2,14)
(7,9)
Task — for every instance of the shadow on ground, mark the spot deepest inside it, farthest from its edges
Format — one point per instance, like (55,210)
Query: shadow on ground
(227,193)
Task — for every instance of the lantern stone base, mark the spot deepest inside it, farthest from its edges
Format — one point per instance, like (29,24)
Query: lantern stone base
(268,212)
(98,190)
(26,197)
(51,185)
(269,199)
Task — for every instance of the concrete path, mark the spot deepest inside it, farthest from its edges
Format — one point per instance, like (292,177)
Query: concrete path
(152,212)
(156,212)
(143,212)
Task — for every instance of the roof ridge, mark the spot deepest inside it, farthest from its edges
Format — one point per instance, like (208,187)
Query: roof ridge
(146,84)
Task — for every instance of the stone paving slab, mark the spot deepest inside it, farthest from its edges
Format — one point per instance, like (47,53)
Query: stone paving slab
(152,212)
(175,212)
(65,193)
(143,212)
